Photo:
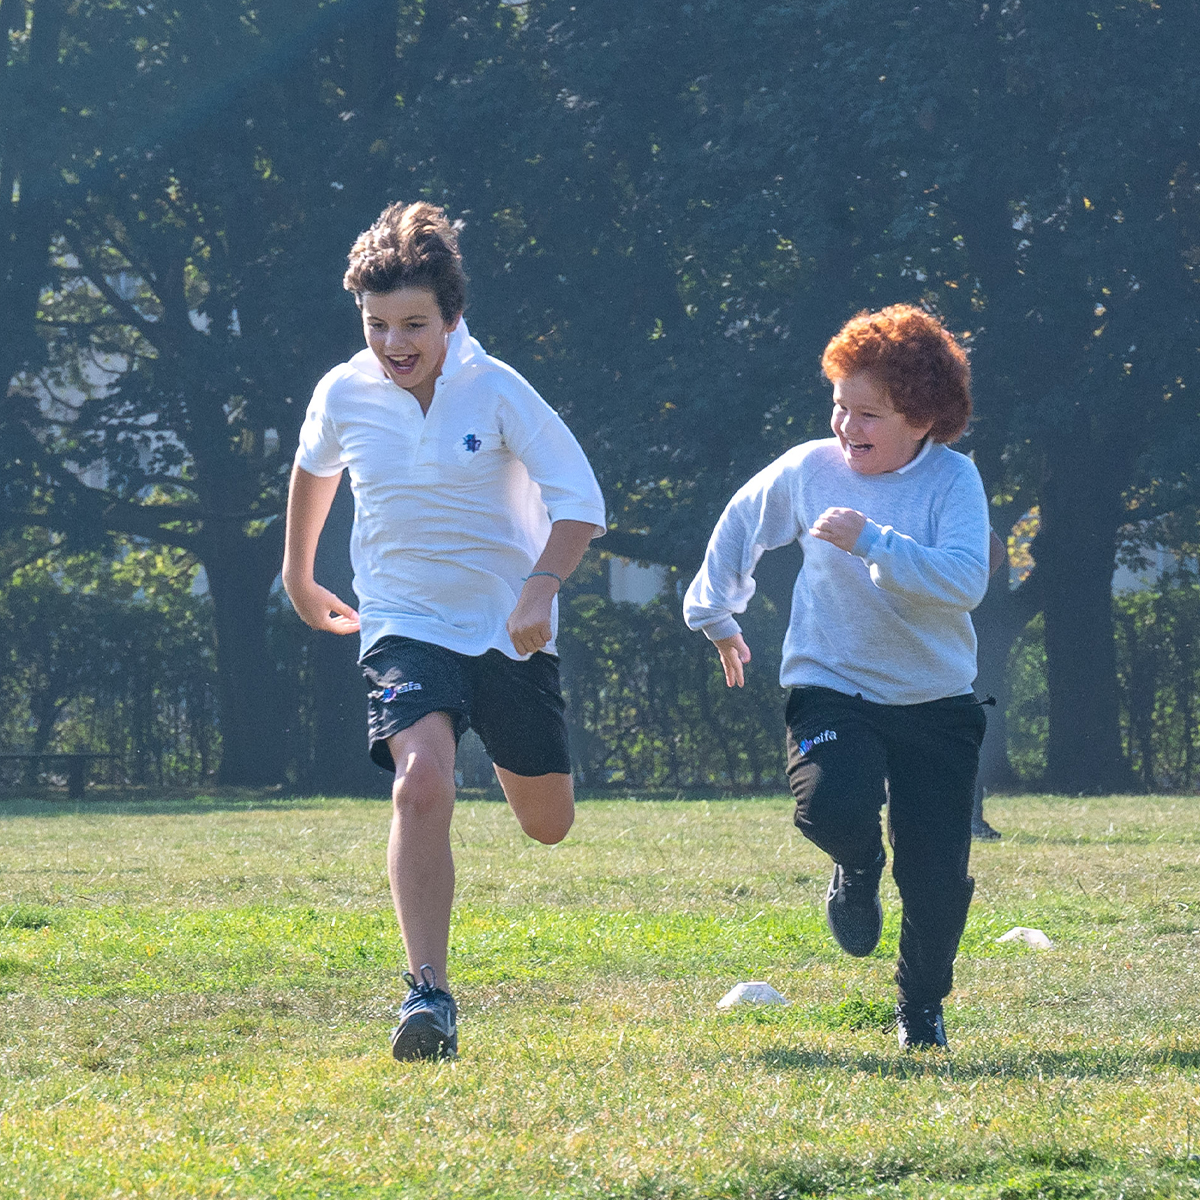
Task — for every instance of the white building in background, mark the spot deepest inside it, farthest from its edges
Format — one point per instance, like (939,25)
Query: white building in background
(630,582)
(1156,560)
(1159,560)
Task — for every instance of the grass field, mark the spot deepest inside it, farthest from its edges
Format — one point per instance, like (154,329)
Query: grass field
(197,995)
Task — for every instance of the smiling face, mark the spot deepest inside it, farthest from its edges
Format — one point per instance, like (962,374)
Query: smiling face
(406,332)
(874,437)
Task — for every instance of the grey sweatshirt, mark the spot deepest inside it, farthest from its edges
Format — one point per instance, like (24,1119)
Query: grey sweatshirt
(888,620)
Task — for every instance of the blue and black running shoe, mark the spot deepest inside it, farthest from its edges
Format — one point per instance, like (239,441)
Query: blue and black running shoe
(920,1026)
(428,1020)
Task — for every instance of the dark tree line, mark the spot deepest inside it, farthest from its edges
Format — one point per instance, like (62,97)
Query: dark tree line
(668,209)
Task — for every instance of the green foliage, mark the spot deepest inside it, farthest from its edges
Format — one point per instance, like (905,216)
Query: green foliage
(1028,726)
(110,654)
(647,701)
(1158,677)
(665,219)
(1160,680)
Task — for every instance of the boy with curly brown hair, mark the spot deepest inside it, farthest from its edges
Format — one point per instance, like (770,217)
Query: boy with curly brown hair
(472,503)
(879,652)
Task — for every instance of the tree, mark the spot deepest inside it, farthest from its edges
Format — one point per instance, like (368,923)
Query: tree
(108,652)
(665,220)
(1064,203)
(756,192)
(198,202)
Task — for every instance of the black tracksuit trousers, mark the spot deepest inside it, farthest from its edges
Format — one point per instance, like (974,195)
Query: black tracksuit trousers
(847,757)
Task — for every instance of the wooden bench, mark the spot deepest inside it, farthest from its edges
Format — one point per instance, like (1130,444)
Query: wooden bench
(77,765)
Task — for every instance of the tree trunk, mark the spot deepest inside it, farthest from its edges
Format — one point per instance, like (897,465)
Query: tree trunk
(26,217)
(240,573)
(998,622)
(1075,551)
(1186,693)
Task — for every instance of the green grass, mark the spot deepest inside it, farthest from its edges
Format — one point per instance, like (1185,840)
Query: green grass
(197,993)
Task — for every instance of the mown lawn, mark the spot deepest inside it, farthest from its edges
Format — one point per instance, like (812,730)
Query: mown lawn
(197,995)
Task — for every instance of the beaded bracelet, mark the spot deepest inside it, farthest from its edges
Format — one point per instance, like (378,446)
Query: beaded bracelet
(550,573)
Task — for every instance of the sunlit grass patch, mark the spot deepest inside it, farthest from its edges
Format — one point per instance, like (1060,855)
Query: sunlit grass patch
(197,998)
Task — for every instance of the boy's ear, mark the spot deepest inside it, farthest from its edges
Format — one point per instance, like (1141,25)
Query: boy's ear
(921,428)
(451,326)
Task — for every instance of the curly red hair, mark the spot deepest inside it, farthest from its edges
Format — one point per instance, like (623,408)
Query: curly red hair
(916,360)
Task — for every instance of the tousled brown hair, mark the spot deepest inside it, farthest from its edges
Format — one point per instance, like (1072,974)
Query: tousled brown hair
(916,360)
(410,245)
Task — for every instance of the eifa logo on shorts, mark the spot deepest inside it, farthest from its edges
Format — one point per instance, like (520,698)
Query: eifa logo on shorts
(829,735)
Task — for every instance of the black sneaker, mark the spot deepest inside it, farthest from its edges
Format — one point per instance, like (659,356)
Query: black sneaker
(853,908)
(981,831)
(920,1026)
(428,1020)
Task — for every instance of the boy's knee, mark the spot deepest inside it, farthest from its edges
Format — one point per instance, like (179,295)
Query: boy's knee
(544,805)
(932,881)
(821,810)
(422,784)
(549,828)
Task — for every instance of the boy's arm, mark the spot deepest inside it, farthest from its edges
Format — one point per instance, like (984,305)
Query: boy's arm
(529,624)
(761,516)
(844,526)
(309,500)
(953,572)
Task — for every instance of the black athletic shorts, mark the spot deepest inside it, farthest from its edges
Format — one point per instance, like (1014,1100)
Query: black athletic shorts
(515,706)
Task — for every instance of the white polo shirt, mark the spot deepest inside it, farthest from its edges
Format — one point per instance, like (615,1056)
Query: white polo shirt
(451,508)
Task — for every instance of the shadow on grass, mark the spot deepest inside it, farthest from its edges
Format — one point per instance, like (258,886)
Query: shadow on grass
(1050,1172)
(1004,1064)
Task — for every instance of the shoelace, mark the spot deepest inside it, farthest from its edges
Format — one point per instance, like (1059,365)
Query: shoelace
(926,1014)
(855,878)
(428,981)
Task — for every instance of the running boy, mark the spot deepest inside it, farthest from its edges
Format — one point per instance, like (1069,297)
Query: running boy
(472,504)
(879,651)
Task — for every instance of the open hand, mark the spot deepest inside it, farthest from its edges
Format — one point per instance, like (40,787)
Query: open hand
(320,608)
(734,654)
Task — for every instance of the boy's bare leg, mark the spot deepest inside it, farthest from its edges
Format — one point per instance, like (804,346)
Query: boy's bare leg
(544,804)
(420,865)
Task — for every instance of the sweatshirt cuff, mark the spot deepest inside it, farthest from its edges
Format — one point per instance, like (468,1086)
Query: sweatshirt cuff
(870,535)
(725,627)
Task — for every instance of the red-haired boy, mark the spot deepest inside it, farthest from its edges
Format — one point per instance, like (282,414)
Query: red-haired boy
(880,651)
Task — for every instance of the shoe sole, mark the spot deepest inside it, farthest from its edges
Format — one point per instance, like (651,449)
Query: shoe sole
(420,1038)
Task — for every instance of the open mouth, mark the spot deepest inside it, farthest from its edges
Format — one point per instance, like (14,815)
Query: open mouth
(405,365)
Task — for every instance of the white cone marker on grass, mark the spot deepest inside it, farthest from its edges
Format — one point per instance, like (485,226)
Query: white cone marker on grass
(752,992)
(1031,937)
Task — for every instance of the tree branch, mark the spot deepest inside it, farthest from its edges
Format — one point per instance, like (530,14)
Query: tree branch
(152,331)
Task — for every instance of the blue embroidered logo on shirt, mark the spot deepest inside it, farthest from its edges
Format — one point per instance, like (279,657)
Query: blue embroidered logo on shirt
(828,736)
(472,443)
(390,693)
